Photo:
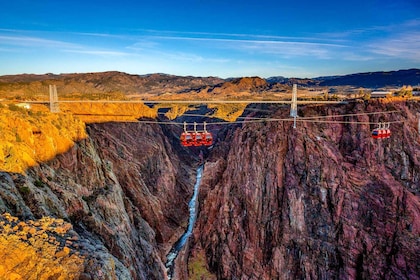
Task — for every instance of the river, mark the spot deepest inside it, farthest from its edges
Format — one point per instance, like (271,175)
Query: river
(179,244)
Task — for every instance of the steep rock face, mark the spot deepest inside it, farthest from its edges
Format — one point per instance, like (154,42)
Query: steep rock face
(322,201)
(124,190)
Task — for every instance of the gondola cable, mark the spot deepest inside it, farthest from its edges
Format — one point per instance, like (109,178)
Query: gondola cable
(200,138)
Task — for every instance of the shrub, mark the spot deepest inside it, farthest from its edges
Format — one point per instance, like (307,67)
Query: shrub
(366,96)
(39,184)
(18,139)
(24,190)
(405,91)
(15,108)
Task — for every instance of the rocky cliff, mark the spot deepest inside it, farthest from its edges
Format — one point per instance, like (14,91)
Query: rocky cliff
(121,195)
(322,201)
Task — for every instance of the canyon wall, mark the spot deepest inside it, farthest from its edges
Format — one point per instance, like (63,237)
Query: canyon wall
(322,201)
(117,201)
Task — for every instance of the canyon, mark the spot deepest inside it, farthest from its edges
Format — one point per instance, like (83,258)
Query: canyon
(321,201)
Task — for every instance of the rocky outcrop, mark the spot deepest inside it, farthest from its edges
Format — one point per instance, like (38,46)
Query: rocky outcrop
(125,191)
(322,201)
(42,249)
(237,85)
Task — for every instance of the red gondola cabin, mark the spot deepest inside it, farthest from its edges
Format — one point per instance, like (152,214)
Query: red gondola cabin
(187,139)
(196,138)
(381,132)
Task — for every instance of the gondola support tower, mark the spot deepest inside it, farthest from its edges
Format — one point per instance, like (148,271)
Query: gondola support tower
(53,99)
(293,105)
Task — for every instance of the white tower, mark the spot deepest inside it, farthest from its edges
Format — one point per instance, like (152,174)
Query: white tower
(293,105)
(54,99)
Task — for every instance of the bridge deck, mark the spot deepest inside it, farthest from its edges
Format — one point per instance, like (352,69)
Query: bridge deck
(190,101)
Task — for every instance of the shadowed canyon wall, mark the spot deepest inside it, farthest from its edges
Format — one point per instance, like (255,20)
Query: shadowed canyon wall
(322,201)
(124,193)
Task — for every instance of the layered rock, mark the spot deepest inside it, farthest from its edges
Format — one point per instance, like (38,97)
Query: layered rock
(125,191)
(322,201)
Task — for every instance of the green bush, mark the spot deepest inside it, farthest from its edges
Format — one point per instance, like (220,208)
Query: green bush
(39,184)
(24,190)
(15,108)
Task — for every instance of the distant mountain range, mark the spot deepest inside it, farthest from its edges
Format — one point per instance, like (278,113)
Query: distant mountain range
(366,80)
(158,84)
(104,82)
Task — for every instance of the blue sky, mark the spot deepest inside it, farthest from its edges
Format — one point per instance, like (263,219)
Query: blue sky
(210,38)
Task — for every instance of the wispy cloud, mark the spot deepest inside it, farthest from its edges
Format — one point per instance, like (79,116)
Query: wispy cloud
(26,41)
(400,41)
(289,49)
(269,40)
(246,44)
(16,42)
(143,44)
(199,44)
(147,50)
(233,36)
(104,35)
(98,52)
(372,31)
(405,45)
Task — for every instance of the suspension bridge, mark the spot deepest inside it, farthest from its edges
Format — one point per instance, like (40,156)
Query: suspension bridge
(54,101)
(54,107)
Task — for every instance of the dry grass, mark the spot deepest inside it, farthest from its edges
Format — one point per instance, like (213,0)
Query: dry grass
(28,137)
(228,112)
(106,112)
(177,110)
(197,268)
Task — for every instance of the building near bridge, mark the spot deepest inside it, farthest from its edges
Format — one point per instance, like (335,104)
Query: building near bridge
(380,94)
(24,105)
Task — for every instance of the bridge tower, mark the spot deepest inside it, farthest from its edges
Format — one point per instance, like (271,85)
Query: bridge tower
(293,105)
(54,108)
